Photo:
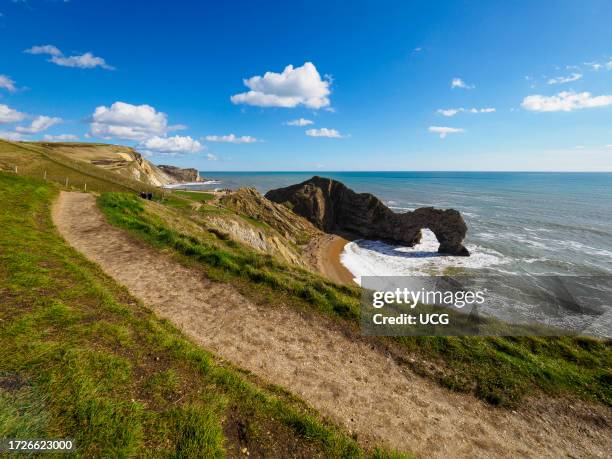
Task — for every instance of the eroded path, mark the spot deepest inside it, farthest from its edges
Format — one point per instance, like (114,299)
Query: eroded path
(346,380)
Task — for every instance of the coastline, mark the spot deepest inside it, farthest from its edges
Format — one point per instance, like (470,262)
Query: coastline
(324,255)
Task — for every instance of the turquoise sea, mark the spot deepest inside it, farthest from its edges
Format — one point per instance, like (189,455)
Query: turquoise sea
(545,239)
(519,222)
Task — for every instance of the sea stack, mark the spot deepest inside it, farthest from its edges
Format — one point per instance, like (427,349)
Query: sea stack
(334,208)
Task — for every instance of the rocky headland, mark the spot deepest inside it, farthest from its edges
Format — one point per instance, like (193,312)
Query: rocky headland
(334,208)
(181,175)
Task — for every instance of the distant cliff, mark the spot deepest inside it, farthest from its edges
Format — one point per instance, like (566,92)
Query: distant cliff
(333,207)
(181,175)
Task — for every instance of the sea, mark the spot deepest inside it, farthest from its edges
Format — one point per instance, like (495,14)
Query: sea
(519,223)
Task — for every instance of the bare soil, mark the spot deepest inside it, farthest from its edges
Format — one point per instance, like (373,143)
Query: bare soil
(349,380)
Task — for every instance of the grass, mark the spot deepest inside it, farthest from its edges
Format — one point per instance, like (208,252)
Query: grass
(194,195)
(500,370)
(35,160)
(80,358)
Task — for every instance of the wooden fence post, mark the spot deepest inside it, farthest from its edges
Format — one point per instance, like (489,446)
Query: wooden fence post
(45,175)
(15,169)
(66,182)
(85,189)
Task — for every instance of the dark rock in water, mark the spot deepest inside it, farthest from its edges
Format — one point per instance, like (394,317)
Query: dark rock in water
(333,207)
(181,175)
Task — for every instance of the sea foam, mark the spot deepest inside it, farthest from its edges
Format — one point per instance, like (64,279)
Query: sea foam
(375,258)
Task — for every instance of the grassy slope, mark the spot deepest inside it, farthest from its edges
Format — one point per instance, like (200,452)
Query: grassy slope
(500,370)
(33,160)
(81,358)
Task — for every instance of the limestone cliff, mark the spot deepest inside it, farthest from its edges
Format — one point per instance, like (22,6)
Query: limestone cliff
(333,207)
(181,175)
(122,160)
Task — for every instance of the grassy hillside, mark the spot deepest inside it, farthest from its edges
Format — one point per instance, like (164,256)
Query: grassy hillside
(499,370)
(38,160)
(81,358)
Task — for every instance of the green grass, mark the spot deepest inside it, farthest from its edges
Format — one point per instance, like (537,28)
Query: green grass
(500,370)
(34,160)
(81,358)
(194,195)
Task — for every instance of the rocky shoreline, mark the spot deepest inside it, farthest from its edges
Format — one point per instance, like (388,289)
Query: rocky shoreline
(334,208)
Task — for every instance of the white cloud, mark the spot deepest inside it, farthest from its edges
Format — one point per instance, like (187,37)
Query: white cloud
(565,101)
(299,122)
(7,135)
(127,121)
(459,83)
(449,111)
(9,115)
(7,83)
(82,61)
(567,79)
(44,49)
(294,86)
(453,111)
(60,138)
(231,138)
(171,145)
(444,131)
(39,124)
(211,157)
(324,132)
(599,65)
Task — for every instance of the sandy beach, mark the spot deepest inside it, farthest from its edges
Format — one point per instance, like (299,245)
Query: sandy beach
(324,255)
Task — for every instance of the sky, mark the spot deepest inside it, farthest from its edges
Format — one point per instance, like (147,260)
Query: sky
(316,85)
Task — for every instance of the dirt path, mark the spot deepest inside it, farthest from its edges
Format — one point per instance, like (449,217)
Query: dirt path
(347,380)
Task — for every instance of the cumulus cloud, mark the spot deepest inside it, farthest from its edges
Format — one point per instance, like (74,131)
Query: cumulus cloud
(324,132)
(39,124)
(44,49)
(171,145)
(443,131)
(7,83)
(565,101)
(231,138)
(459,83)
(566,79)
(449,111)
(294,86)
(60,138)
(453,111)
(9,115)
(299,122)
(9,135)
(82,61)
(127,121)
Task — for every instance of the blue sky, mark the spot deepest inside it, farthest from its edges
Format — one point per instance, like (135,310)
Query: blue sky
(372,77)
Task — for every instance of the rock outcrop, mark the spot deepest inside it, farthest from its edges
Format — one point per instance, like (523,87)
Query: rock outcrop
(249,202)
(333,207)
(181,175)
